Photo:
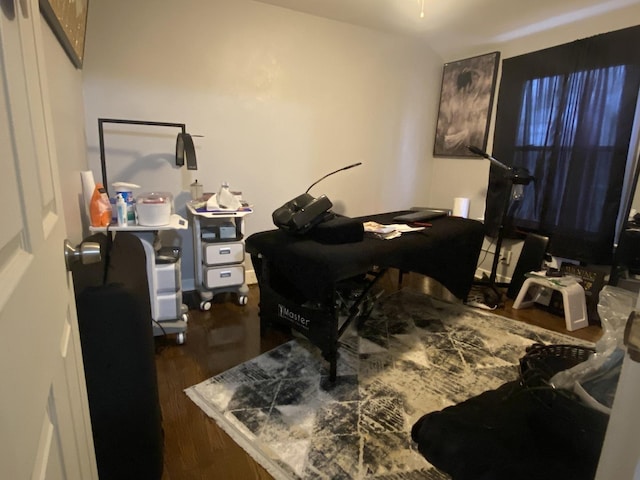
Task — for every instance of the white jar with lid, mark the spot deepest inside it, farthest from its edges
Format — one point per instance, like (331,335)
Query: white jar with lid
(154,209)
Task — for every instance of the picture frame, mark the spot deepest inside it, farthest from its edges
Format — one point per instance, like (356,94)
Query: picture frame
(466,102)
(68,20)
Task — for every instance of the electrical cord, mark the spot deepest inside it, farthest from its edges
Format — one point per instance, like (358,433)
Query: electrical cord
(164,332)
(486,252)
(477,296)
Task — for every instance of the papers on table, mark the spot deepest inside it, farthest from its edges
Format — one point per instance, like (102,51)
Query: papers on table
(563,281)
(387,232)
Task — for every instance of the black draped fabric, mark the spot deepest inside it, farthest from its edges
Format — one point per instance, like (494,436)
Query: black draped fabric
(566,115)
(514,432)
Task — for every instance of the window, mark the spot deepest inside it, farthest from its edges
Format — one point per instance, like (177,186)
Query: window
(565,114)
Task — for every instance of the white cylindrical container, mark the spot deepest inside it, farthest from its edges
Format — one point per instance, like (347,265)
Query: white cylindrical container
(154,209)
(196,190)
(88,185)
(461,207)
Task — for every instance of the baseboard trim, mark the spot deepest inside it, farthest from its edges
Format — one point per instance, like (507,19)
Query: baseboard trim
(499,278)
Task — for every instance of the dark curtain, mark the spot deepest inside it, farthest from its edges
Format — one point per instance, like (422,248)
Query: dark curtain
(566,115)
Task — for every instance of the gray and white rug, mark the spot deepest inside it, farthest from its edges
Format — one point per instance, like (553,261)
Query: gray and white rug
(414,355)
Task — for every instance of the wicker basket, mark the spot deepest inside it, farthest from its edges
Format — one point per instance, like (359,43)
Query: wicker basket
(561,419)
(541,362)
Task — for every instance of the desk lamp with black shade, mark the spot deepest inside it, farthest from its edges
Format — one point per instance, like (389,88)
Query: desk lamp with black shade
(517,178)
(304,212)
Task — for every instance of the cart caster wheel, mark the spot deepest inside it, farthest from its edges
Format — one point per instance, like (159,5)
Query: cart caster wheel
(180,338)
(205,305)
(242,300)
(185,317)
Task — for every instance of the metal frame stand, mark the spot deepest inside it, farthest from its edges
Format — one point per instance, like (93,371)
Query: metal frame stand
(515,177)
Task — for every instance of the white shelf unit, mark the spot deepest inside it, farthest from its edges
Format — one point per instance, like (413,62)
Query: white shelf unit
(164,277)
(218,249)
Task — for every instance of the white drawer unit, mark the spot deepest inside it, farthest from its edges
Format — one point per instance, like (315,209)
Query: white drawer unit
(168,276)
(219,255)
(222,253)
(168,305)
(163,268)
(225,276)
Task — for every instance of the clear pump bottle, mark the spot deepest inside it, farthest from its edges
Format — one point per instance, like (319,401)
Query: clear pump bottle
(121,211)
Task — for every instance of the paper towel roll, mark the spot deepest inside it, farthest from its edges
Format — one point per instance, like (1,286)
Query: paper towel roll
(88,185)
(461,207)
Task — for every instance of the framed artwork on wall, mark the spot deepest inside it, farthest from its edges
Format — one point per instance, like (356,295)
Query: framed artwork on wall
(466,100)
(68,20)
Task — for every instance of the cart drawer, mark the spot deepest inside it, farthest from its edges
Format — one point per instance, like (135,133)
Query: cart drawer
(168,277)
(224,276)
(222,253)
(169,306)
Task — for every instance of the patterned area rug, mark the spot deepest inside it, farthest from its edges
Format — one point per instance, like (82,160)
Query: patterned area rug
(413,355)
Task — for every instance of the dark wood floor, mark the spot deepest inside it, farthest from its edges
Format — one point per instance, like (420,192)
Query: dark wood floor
(227,335)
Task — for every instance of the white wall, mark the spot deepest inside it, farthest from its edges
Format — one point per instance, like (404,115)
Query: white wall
(280,97)
(67,109)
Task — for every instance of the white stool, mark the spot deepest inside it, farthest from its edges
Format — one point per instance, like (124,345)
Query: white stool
(573,298)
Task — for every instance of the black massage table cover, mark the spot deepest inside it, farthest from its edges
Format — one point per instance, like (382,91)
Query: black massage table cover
(448,252)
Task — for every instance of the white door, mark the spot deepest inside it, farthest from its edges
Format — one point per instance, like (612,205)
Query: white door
(620,457)
(45,430)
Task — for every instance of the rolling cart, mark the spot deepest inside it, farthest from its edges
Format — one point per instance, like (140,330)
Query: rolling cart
(168,312)
(218,249)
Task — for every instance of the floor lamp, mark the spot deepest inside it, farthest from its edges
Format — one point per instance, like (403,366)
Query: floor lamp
(517,179)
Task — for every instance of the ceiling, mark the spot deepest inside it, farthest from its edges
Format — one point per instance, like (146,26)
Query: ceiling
(450,26)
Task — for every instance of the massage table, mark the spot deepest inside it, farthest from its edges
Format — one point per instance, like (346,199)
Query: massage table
(312,284)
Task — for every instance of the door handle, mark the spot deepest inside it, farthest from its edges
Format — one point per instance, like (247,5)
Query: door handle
(87,252)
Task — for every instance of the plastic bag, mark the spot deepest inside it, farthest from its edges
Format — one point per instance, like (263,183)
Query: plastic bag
(100,207)
(595,380)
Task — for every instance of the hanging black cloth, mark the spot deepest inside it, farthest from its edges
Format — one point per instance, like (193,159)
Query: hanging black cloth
(566,115)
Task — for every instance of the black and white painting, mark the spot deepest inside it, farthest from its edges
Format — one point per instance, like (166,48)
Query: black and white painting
(466,100)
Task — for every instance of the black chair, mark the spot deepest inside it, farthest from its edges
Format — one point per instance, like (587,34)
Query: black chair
(114,319)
